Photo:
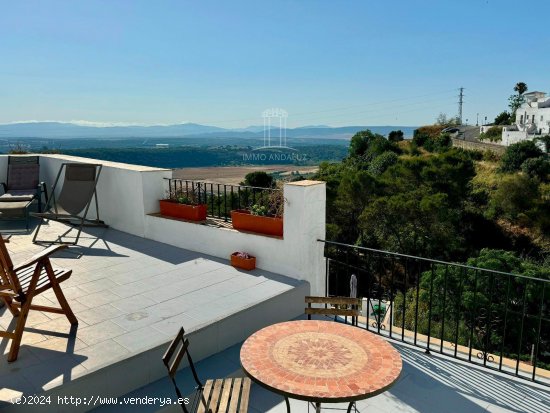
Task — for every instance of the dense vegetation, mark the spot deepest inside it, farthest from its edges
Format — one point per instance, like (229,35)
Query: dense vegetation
(422,197)
(425,198)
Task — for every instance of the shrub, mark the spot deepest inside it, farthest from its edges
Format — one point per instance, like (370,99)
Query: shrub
(395,136)
(258,178)
(424,133)
(516,194)
(518,153)
(438,144)
(382,162)
(537,168)
(493,134)
(368,145)
(503,118)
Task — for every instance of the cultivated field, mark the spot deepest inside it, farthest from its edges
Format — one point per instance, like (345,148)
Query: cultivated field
(235,174)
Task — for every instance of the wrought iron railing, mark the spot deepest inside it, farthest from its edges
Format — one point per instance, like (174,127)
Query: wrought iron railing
(495,319)
(221,199)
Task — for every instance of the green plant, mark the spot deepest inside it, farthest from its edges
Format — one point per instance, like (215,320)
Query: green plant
(183,197)
(259,210)
(503,118)
(537,167)
(395,136)
(382,162)
(493,134)
(258,179)
(518,153)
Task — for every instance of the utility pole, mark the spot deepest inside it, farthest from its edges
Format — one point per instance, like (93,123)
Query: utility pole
(460,102)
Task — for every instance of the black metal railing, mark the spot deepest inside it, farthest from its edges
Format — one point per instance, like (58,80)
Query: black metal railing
(491,318)
(221,199)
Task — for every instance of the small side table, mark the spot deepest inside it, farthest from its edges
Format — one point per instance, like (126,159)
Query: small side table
(15,210)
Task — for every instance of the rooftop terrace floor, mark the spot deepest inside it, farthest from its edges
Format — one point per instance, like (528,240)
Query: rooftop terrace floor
(428,384)
(129,294)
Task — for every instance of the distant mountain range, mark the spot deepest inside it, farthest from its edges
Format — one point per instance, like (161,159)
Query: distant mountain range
(62,130)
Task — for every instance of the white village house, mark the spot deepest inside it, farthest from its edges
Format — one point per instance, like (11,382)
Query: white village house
(532,119)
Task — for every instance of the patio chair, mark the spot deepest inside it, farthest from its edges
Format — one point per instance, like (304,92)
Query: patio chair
(19,284)
(21,188)
(339,306)
(74,200)
(221,395)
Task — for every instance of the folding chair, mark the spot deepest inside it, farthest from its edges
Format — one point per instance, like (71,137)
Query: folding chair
(19,284)
(74,200)
(221,395)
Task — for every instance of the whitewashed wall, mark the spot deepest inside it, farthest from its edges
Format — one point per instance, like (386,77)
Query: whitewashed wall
(298,254)
(128,193)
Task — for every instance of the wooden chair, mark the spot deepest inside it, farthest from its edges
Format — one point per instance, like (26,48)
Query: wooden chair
(221,395)
(19,284)
(339,306)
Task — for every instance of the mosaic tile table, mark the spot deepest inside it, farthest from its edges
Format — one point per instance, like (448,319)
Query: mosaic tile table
(320,362)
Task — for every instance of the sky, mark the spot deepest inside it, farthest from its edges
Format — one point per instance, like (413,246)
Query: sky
(223,63)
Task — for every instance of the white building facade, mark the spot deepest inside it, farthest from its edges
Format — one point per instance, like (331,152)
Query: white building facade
(532,119)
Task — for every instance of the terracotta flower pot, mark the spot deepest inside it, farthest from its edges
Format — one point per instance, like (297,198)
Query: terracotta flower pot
(243,263)
(183,211)
(245,221)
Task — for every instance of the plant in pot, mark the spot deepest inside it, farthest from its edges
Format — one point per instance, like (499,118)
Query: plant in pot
(263,217)
(183,204)
(243,260)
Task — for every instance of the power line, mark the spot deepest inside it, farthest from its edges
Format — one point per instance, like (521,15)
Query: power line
(446,99)
(300,114)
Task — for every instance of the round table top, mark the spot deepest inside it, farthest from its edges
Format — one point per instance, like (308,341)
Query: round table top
(321,361)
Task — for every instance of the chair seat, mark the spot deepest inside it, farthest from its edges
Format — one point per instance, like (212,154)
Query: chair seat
(225,396)
(18,195)
(25,276)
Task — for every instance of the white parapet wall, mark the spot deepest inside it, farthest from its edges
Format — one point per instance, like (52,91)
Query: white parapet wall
(509,137)
(298,254)
(126,193)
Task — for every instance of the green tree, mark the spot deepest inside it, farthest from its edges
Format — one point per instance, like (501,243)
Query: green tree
(520,87)
(357,189)
(503,118)
(382,162)
(518,153)
(368,145)
(396,136)
(479,301)
(516,100)
(516,194)
(258,178)
(415,223)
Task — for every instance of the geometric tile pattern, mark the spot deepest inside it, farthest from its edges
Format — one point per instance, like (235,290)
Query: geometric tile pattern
(320,361)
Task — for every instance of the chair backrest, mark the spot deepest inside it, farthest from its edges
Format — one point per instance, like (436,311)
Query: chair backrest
(23,172)
(78,188)
(351,306)
(177,349)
